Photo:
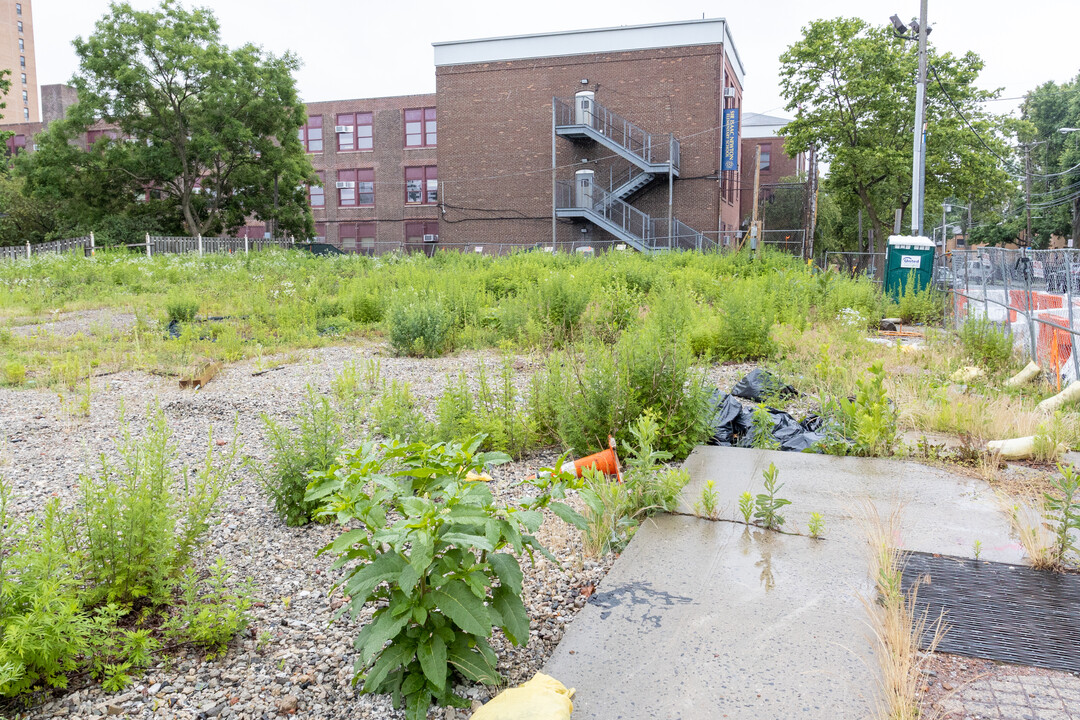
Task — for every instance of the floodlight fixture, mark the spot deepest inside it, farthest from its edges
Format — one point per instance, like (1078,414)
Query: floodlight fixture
(898,26)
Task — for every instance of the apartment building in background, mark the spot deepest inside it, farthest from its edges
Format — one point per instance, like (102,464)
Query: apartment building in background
(17,56)
(763,131)
(624,136)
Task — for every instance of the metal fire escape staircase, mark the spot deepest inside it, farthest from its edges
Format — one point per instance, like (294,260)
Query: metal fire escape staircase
(649,155)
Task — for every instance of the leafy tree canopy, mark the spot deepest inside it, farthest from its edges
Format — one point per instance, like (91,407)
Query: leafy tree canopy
(852,87)
(209,129)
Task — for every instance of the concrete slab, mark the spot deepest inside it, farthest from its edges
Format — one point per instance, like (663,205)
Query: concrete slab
(942,512)
(700,619)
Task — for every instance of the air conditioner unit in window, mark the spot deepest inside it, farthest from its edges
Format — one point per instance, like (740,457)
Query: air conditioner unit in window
(431,238)
(729,92)
(344,184)
(343,128)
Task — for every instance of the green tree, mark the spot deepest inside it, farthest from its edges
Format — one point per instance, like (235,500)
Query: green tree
(210,128)
(852,87)
(1055,185)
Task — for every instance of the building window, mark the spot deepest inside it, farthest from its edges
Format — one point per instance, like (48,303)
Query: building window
(18,8)
(20,27)
(766,155)
(356,188)
(320,232)
(311,134)
(418,233)
(357,237)
(24,78)
(22,61)
(15,144)
(22,44)
(25,97)
(26,113)
(422,185)
(420,127)
(317,193)
(354,131)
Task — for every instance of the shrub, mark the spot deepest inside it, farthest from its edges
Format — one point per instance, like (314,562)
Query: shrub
(986,344)
(366,306)
(210,613)
(397,414)
(139,521)
(419,327)
(14,373)
(868,422)
(580,399)
(44,628)
(1063,513)
(922,306)
(181,308)
(315,446)
(494,411)
(562,302)
(437,558)
(744,331)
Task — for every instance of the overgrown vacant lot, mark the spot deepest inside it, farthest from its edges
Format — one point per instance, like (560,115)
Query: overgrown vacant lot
(534,353)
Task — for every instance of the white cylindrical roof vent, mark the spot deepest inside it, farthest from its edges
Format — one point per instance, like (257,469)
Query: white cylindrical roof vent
(583,188)
(583,107)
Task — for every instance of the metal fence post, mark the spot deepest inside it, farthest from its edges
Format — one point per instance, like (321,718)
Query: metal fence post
(245,245)
(200,244)
(1008,295)
(92,246)
(28,249)
(1075,347)
(1029,301)
(986,299)
(148,254)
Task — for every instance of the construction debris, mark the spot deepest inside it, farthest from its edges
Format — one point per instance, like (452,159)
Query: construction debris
(1029,373)
(205,374)
(1069,395)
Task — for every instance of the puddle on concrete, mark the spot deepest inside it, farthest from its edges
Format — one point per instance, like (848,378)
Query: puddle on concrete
(641,595)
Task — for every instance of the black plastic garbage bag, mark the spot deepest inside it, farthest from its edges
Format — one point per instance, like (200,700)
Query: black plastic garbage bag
(760,384)
(786,430)
(730,420)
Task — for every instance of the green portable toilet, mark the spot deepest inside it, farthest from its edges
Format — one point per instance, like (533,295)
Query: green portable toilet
(907,256)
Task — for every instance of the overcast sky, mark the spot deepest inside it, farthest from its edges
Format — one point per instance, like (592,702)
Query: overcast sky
(368,49)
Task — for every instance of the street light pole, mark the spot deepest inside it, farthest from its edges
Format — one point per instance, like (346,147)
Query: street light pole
(918,167)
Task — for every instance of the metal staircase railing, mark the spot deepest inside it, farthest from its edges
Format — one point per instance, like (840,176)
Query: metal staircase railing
(624,221)
(617,132)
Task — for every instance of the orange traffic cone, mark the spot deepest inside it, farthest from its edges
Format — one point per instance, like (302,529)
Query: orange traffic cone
(606,461)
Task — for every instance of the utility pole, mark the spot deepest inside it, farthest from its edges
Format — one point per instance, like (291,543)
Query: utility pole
(1027,191)
(918,167)
(755,234)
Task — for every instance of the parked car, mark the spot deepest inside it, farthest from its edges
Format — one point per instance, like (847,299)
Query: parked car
(319,248)
(944,279)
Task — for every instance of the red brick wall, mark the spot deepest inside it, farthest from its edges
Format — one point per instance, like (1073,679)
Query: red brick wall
(781,165)
(388,158)
(495,139)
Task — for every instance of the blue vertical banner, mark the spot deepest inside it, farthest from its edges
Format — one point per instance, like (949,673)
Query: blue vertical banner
(730,157)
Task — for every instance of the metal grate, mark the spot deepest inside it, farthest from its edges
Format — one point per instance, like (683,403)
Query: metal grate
(997,611)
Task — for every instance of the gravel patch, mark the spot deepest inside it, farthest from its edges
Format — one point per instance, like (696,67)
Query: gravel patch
(293,659)
(106,321)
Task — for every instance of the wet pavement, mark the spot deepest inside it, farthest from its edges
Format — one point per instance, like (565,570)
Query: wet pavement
(704,619)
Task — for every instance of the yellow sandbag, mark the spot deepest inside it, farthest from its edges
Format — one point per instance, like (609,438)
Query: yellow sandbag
(967,374)
(1029,373)
(542,698)
(1069,395)
(1019,448)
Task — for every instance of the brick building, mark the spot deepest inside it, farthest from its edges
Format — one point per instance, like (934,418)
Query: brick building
(498,154)
(377,162)
(760,130)
(17,56)
(636,107)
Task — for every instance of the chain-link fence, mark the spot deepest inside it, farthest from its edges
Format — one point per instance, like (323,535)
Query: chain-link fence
(854,264)
(1032,294)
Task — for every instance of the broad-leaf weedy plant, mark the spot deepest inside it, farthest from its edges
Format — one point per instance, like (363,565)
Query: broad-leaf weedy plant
(437,557)
(768,504)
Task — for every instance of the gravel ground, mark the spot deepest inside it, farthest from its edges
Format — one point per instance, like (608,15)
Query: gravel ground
(308,660)
(104,321)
